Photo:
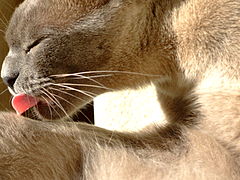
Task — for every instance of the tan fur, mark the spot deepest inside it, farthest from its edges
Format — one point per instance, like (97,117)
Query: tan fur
(188,48)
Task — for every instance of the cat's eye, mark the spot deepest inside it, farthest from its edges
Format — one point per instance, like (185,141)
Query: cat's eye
(34,44)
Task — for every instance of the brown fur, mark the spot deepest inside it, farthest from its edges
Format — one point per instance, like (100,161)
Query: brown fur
(188,48)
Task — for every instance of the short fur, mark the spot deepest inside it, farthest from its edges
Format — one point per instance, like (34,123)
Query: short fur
(188,48)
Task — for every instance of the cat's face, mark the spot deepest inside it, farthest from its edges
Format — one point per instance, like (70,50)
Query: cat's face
(61,51)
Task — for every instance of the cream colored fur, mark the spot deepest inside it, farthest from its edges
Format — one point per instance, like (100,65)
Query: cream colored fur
(128,110)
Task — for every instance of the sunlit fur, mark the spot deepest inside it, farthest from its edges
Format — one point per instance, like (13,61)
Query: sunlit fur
(188,48)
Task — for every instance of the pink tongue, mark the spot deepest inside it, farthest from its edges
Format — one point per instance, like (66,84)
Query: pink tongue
(22,102)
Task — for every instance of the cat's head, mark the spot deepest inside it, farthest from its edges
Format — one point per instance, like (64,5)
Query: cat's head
(65,52)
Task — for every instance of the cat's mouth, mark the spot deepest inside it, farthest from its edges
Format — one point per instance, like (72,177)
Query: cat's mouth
(40,108)
(23,102)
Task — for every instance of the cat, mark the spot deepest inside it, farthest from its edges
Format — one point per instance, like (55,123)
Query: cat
(64,53)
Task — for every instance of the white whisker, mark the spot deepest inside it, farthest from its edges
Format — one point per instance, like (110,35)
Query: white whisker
(60,105)
(64,100)
(119,72)
(77,77)
(86,85)
(4,22)
(86,117)
(4,17)
(71,103)
(2,31)
(56,96)
(87,93)
(96,76)
(49,106)
(55,89)
(3,91)
(55,101)
(83,77)
(10,6)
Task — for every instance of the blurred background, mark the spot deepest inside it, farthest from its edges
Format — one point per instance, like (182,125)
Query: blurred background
(6,9)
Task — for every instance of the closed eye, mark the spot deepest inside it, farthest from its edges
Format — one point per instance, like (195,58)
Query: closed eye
(34,44)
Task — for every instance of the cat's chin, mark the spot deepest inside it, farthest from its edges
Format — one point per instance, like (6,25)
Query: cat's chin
(41,113)
(45,113)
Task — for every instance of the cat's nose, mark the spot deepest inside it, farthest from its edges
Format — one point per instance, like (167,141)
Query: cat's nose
(10,71)
(10,79)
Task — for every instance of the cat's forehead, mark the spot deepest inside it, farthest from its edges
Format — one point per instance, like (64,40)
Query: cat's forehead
(62,9)
(81,5)
(55,8)
(33,13)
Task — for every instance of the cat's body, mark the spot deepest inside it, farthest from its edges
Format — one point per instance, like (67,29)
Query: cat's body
(188,48)
(39,150)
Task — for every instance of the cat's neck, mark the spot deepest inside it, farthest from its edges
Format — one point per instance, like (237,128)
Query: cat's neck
(211,105)
(219,99)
